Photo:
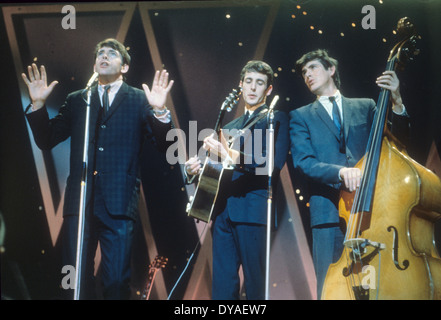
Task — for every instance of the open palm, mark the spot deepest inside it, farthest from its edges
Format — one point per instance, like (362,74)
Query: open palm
(157,95)
(37,85)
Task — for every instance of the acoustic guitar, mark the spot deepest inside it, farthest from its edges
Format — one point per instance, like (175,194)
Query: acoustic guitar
(202,203)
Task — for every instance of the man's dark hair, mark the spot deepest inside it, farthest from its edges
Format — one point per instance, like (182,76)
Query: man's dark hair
(116,45)
(258,66)
(323,57)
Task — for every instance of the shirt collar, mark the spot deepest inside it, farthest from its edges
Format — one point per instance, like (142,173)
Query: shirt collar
(250,112)
(325,99)
(114,86)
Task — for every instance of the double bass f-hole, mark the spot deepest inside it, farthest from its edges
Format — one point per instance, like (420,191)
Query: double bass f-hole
(395,250)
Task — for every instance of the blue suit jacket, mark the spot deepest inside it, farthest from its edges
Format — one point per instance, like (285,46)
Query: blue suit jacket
(115,143)
(242,191)
(315,150)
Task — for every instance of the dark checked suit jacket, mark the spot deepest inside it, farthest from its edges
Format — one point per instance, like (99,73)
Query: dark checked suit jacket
(242,190)
(115,143)
(315,150)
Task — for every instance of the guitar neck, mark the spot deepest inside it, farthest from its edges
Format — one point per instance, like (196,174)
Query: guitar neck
(149,285)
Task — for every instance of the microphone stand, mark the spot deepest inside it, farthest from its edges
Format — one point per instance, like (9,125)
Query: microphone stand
(81,214)
(270,154)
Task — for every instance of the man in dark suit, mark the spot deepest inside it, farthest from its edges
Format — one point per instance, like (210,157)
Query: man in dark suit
(240,216)
(325,154)
(121,118)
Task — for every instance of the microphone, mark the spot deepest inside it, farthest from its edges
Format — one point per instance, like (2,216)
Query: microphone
(271,109)
(92,80)
(273,103)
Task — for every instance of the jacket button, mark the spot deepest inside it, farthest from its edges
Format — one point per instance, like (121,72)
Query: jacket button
(95,173)
(101,149)
(103,126)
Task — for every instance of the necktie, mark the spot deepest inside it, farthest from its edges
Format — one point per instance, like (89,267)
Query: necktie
(245,118)
(338,123)
(335,113)
(106,99)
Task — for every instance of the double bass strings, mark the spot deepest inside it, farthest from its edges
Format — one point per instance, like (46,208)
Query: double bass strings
(363,197)
(358,231)
(362,194)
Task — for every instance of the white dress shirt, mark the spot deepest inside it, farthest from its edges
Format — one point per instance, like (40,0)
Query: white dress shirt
(114,88)
(327,104)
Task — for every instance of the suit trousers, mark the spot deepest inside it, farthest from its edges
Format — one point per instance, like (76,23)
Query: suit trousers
(327,244)
(115,236)
(236,244)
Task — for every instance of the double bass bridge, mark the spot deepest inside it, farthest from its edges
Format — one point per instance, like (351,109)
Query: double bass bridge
(362,244)
(362,251)
(359,254)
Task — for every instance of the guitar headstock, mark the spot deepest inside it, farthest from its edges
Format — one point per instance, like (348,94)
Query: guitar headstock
(232,99)
(406,49)
(158,263)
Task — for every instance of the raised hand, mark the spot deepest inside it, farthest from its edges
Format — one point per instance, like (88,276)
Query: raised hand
(389,80)
(160,88)
(37,85)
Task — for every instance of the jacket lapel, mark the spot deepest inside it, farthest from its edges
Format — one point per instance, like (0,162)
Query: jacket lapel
(122,92)
(255,114)
(236,123)
(324,116)
(347,115)
(95,98)
(95,108)
(239,123)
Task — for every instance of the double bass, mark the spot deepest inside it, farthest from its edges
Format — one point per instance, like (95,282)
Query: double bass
(389,248)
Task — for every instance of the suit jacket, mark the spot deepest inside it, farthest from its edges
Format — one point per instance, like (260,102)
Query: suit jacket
(115,142)
(243,190)
(315,150)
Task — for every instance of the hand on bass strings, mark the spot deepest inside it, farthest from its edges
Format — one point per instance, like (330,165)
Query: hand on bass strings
(351,178)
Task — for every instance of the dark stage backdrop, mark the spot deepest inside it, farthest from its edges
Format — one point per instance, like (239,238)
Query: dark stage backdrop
(203,44)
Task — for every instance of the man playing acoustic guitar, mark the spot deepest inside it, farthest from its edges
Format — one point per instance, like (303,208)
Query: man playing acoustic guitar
(240,214)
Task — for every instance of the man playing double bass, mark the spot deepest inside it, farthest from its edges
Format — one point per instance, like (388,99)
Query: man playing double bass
(328,137)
